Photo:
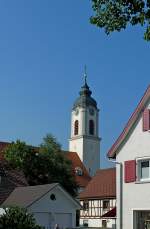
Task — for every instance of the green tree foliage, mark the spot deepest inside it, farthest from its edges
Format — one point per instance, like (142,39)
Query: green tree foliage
(114,15)
(17,218)
(43,165)
(16,154)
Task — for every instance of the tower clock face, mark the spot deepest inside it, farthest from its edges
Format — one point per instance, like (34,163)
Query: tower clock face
(91,111)
(76,112)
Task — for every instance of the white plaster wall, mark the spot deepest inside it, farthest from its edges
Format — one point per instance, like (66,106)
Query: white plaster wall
(91,156)
(76,145)
(61,205)
(134,195)
(98,222)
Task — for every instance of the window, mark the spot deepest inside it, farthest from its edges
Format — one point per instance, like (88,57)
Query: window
(76,127)
(141,219)
(52,197)
(104,224)
(78,171)
(91,127)
(85,223)
(106,204)
(144,169)
(85,205)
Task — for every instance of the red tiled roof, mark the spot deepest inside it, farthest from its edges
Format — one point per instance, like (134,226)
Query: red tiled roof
(83,180)
(102,185)
(10,178)
(139,109)
(9,181)
(3,145)
(110,214)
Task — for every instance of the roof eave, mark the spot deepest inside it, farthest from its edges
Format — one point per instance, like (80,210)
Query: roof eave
(114,149)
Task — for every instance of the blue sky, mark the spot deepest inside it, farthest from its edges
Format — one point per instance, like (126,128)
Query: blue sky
(44,46)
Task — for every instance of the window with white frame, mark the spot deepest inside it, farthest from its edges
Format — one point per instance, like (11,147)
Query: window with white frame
(106,204)
(144,169)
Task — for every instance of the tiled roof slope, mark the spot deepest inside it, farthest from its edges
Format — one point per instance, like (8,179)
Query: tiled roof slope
(102,185)
(10,179)
(83,180)
(3,146)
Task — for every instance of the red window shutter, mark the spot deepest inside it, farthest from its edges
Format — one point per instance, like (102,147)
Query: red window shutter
(130,171)
(146,120)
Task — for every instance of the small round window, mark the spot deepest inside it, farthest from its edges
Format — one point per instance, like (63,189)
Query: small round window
(52,197)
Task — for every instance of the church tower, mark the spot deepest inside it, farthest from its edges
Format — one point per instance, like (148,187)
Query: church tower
(84,129)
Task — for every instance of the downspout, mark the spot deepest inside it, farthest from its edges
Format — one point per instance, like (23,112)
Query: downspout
(120,191)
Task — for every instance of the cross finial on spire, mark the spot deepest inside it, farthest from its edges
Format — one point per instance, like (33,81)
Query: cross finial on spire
(85,74)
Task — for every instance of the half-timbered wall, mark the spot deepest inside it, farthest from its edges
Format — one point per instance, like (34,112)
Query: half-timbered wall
(93,210)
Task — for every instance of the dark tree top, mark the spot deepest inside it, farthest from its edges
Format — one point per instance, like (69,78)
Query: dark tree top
(115,15)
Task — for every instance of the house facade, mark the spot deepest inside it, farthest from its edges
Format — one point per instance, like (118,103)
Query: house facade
(131,153)
(99,199)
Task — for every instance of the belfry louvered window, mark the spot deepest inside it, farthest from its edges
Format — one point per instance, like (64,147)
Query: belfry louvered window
(76,127)
(91,127)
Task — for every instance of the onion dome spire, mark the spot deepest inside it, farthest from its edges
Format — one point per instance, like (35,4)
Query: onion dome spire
(85,98)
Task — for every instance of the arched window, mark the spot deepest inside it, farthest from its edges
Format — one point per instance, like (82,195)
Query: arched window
(76,127)
(91,127)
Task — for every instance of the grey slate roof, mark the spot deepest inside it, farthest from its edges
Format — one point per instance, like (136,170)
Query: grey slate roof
(85,98)
(25,196)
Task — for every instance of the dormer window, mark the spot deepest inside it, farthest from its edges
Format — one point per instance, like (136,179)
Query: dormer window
(91,127)
(78,171)
(76,127)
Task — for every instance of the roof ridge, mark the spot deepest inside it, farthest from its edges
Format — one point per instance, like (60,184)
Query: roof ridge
(99,170)
(37,186)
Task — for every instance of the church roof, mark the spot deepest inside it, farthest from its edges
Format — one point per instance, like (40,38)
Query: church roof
(102,185)
(84,179)
(85,98)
